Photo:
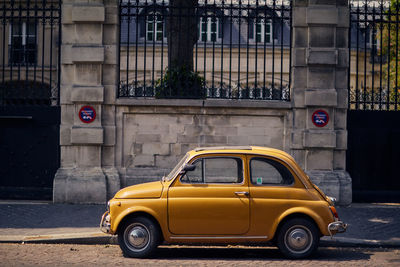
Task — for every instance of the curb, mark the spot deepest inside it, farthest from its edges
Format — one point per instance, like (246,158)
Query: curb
(105,239)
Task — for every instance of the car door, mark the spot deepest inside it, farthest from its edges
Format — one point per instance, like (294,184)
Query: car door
(212,199)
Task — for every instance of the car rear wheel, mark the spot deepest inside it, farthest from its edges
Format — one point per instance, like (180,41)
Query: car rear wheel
(298,238)
(138,237)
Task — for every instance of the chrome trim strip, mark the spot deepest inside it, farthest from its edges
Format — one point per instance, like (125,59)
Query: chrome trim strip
(219,237)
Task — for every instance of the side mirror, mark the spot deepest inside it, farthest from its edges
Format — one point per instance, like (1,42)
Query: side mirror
(187,168)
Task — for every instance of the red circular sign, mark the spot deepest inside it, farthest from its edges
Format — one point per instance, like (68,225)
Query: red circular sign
(320,118)
(87,114)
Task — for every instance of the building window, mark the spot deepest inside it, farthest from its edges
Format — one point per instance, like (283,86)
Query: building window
(22,43)
(263,31)
(154,27)
(208,28)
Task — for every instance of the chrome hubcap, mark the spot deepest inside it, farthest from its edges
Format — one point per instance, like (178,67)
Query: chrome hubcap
(137,236)
(298,239)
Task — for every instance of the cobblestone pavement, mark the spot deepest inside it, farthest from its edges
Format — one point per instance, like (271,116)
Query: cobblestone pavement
(110,255)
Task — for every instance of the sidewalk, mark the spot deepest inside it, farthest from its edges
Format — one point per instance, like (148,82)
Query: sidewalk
(369,224)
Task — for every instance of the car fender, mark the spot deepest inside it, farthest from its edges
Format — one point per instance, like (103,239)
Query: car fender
(304,211)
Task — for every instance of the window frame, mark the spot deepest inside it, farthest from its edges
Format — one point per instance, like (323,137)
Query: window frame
(241,170)
(272,162)
(24,52)
(155,22)
(209,16)
(263,24)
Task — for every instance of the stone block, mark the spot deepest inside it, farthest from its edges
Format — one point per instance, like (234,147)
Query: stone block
(341,81)
(321,78)
(65,135)
(342,38)
(339,159)
(343,16)
(299,57)
(88,156)
(300,3)
(319,139)
(87,54)
(156,149)
(341,139)
(80,186)
(319,159)
(108,158)
(296,141)
(300,37)
(340,119)
(109,135)
(68,35)
(66,54)
(67,156)
(322,36)
(317,56)
(213,139)
(251,130)
(322,2)
(89,34)
(327,97)
(299,78)
(229,131)
(343,61)
(110,35)
(110,74)
(87,135)
(322,15)
(88,94)
(299,17)
(299,156)
(66,15)
(144,160)
(112,181)
(111,14)
(238,140)
(87,13)
(67,114)
(88,74)
(108,115)
(110,94)
(147,138)
(299,118)
(110,55)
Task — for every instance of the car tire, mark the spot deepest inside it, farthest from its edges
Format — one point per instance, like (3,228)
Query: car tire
(138,237)
(298,238)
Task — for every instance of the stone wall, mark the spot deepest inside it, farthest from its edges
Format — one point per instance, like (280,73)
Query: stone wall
(138,140)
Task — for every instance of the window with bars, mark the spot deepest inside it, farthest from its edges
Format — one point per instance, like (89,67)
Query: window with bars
(154,27)
(208,28)
(263,31)
(22,43)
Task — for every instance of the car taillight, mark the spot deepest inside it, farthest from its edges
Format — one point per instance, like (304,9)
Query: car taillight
(334,212)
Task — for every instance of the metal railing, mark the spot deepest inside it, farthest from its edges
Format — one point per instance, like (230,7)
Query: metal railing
(30,33)
(241,49)
(374,55)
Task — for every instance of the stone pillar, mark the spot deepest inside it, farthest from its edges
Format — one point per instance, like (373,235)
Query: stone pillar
(320,69)
(89,77)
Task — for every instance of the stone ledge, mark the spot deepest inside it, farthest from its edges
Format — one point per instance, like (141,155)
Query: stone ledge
(89,94)
(322,15)
(322,56)
(228,103)
(324,97)
(87,13)
(87,54)
(87,135)
(319,139)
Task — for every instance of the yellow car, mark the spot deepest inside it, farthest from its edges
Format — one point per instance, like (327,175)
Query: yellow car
(226,195)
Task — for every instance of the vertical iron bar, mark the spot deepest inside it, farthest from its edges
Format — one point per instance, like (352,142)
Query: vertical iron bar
(27,25)
(51,45)
(36,34)
(256,50)
(247,51)
(4,23)
(145,49)
(273,46)
(265,50)
(381,63)
(198,38)
(128,41)
(213,50)
(43,35)
(22,49)
(396,92)
(222,47)
(357,53)
(155,19)
(290,48)
(373,50)
(59,53)
(205,19)
(11,49)
(230,51)
(239,48)
(365,56)
(137,16)
(349,53)
(282,51)
(162,43)
(389,59)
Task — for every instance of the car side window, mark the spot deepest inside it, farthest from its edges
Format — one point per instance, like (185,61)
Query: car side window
(215,170)
(264,171)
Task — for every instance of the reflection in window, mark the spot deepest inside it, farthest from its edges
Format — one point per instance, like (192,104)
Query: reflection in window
(208,28)
(22,43)
(154,27)
(263,30)
(215,170)
(265,171)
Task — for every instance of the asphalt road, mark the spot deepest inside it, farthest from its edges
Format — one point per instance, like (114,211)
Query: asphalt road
(110,255)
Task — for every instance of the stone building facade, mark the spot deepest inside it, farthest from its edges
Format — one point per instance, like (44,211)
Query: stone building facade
(138,140)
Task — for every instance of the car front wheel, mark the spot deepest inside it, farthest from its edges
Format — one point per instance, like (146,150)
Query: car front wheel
(138,237)
(298,238)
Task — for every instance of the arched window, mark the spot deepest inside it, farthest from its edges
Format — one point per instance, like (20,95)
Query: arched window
(154,27)
(208,28)
(263,30)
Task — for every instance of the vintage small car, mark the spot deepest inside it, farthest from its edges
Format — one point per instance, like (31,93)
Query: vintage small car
(224,195)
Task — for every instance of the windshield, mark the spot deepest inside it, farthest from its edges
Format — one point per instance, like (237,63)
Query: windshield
(177,168)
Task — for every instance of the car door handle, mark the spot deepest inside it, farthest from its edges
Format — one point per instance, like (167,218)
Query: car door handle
(242,193)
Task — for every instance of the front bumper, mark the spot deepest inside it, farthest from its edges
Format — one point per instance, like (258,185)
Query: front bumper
(337,227)
(105,224)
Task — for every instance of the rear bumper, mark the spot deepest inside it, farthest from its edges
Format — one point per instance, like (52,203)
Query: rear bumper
(337,227)
(105,224)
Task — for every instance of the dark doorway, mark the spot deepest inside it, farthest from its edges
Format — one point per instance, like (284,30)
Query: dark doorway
(373,155)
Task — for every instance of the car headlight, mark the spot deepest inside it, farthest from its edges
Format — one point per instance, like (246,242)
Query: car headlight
(333,199)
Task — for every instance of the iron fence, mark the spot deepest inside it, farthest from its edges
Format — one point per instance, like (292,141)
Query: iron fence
(30,33)
(374,55)
(237,49)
